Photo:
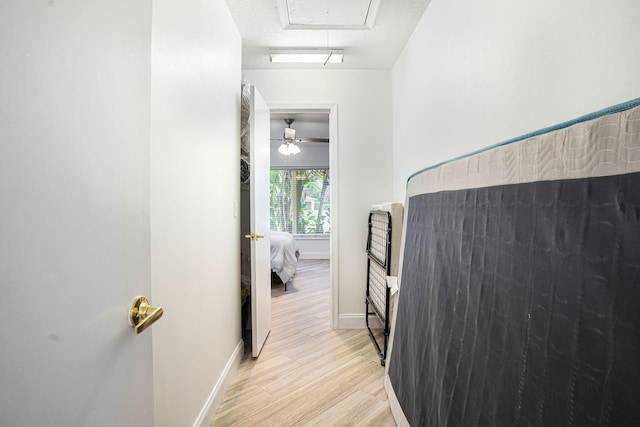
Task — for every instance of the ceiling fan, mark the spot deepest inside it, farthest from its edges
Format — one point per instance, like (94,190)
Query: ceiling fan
(288,146)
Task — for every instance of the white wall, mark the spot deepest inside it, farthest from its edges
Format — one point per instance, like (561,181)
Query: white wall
(476,73)
(313,247)
(364,156)
(195,122)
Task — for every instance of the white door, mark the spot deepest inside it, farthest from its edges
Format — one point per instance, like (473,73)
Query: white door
(259,122)
(74,252)
(74,215)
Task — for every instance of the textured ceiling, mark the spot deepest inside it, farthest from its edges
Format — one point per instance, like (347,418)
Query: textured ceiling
(261,24)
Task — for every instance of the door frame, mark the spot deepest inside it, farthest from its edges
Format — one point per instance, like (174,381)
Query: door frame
(333,191)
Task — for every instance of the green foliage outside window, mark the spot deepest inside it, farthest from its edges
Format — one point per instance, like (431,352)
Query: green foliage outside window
(300,201)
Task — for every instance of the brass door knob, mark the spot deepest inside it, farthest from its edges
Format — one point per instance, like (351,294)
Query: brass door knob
(142,315)
(254,236)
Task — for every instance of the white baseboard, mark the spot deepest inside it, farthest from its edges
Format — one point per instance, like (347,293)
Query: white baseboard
(358,321)
(205,418)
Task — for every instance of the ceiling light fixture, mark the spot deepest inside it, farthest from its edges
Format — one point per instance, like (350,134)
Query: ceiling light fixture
(288,147)
(308,56)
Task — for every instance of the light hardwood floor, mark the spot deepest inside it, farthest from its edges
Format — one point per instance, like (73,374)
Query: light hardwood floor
(307,373)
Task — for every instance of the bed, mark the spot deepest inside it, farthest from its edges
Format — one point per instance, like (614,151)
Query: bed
(284,255)
(520,282)
(383,253)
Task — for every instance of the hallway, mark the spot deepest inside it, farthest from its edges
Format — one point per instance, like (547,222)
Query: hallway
(307,373)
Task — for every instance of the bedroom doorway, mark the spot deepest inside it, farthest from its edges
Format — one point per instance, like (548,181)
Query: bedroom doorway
(303,195)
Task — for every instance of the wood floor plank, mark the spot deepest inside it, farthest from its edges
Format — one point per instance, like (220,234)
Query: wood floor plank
(307,374)
(351,410)
(311,399)
(247,399)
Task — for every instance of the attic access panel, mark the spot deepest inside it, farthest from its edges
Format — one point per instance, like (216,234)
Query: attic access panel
(329,15)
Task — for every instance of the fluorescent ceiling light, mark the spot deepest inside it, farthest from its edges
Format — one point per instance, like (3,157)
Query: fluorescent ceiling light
(308,56)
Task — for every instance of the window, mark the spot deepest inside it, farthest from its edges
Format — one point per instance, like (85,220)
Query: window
(300,201)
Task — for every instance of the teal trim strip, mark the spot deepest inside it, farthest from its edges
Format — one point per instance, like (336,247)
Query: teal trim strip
(610,110)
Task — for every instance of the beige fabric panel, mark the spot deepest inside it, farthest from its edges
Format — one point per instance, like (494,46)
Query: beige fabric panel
(397,218)
(561,154)
(396,409)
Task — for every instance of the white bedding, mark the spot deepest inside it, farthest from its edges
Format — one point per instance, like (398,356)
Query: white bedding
(284,255)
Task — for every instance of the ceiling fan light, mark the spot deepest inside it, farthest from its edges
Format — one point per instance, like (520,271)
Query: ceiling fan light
(293,148)
(284,149)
